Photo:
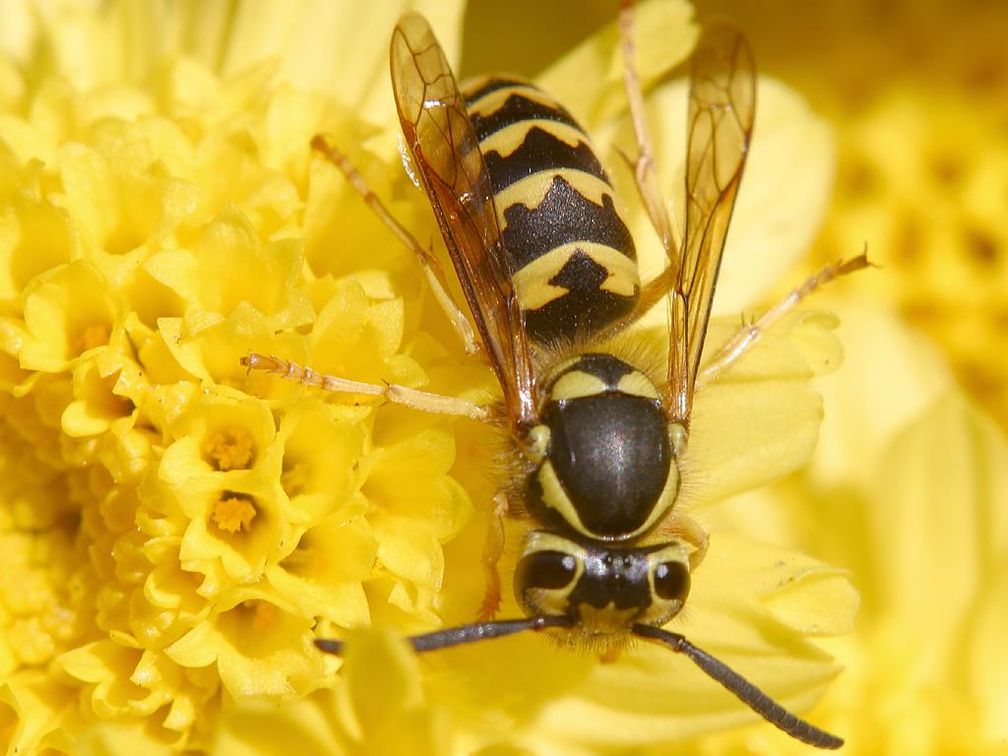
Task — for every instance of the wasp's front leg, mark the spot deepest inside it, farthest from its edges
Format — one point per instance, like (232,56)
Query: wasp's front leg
(424,401)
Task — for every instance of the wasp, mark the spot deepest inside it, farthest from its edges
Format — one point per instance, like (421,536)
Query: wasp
(548,269)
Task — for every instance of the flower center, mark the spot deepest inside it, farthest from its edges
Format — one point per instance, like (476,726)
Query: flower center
(94,335)
(229,450)
(233,512)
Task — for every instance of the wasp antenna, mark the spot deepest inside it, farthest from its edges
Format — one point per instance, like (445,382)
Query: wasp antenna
(748,693)
(457,636)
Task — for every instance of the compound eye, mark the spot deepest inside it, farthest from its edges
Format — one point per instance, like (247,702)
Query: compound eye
(546,570)
(672,581)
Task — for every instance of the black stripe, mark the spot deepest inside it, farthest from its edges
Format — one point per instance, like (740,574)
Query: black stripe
(585,309)
(606,367)
(492,85)
(540,150)
(518,108)
(562,217)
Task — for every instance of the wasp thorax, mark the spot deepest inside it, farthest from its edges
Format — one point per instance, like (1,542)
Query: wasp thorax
(605,589)
(608,470)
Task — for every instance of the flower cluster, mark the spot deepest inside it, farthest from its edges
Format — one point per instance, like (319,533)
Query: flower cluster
(170,532)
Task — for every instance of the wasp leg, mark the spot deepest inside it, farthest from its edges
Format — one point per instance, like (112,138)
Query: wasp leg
(645,177)
(680,526)
(643,165)
(432,269)
(748,335)
(492,550)
(419,400)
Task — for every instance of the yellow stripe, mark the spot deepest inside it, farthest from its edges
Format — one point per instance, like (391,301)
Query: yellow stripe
(532,283)
(531,190)
(474,84)
(510,138)
(576,385)
(637,384)
(492,101)
(540,540)
(554,497)
(553,599)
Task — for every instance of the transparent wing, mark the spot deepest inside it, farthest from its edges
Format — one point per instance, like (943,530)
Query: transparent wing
(721,111)
(434,122)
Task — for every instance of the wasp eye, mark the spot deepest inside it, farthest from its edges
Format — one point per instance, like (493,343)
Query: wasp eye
(672,581)
(546,569)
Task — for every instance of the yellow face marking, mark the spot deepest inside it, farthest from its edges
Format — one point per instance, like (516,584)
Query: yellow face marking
(661,610)
(531,190)
(532,282)
(554,600)
(510,138)
(608,619)
(492,101)
(675,551)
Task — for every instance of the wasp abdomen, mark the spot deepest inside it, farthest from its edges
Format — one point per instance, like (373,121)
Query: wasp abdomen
(571,255)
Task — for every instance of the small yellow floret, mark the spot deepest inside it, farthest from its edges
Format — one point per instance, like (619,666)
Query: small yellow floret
(233,512)
(230,450)
(262,616)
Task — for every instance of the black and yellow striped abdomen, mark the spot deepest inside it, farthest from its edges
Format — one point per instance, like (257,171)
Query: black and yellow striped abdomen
(571,255)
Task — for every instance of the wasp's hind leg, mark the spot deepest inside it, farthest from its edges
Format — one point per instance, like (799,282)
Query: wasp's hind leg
(645,176)
(643,165)
(432,269)
(748,335)
(393,392)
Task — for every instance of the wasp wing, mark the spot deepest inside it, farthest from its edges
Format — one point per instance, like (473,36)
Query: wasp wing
(722,105)
(440,136)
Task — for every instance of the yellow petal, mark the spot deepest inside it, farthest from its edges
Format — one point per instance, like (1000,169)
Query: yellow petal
(760,419)
(664,35)
(384,703)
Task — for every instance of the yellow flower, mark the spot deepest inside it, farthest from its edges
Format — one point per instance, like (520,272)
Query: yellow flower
(178,531)
(260,649)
